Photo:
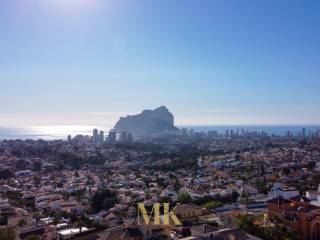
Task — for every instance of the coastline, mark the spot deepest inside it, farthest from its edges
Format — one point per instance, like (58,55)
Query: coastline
(56,132)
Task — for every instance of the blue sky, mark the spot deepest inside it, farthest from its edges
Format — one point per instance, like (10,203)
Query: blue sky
(211,62)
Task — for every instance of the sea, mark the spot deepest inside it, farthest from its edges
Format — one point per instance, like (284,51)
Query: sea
(61,132)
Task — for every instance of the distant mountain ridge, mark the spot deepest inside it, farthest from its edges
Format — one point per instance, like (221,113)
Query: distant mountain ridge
(148,122)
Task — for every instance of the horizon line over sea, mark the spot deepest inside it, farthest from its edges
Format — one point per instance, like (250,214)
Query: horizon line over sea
(56,132)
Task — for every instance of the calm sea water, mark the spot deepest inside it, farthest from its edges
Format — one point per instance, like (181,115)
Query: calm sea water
(45,132)
(61,132)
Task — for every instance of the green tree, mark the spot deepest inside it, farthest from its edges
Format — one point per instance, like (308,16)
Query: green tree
(212,204)
(105,199)
(278,231)
(246,223)
(184,198)
(7,234)
(33,237)
(22,222)
(176,185)
(311,165)
(37,166)
(37,217)
(6,174)
(80,224)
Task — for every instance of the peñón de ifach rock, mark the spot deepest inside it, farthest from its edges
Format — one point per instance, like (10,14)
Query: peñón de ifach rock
(148,122)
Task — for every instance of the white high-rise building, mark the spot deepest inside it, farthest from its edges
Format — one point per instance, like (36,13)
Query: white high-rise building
(101,136)
(95,135)
(112,137)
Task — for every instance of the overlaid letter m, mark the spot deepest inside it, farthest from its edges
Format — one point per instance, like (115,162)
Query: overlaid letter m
(156,214)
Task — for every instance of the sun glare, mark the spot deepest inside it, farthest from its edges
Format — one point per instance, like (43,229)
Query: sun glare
(72,3)
(72,6)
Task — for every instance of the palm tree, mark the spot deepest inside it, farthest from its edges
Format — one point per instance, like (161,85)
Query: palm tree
(33,237)
(37,216)
(22,223)
(80,225)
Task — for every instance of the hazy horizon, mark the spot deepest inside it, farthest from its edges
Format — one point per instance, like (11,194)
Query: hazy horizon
(61,132)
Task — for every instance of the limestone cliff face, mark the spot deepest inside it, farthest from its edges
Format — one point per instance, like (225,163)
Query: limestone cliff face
(148,122)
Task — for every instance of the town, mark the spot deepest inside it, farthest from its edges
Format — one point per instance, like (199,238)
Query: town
(235,184)
(159,120)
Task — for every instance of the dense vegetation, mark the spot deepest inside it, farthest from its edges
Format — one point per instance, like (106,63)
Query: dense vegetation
(7,234)
(278,231)
(104,199)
